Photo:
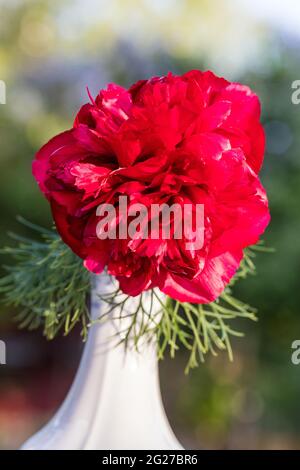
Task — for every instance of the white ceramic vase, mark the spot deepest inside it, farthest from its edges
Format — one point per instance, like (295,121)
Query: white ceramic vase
(115,400)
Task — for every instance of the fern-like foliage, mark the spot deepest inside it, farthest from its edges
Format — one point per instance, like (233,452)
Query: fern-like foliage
(47,282)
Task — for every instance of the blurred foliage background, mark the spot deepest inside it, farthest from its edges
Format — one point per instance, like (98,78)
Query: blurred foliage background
(49,52)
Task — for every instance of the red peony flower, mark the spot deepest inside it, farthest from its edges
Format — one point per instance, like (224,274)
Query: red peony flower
(193,139)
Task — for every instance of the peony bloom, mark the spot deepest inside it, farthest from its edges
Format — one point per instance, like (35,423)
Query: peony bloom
(193,139)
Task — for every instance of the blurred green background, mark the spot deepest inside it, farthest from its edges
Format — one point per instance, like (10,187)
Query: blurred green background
(49,52)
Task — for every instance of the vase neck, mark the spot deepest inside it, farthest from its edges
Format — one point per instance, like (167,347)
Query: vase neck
(111,322)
